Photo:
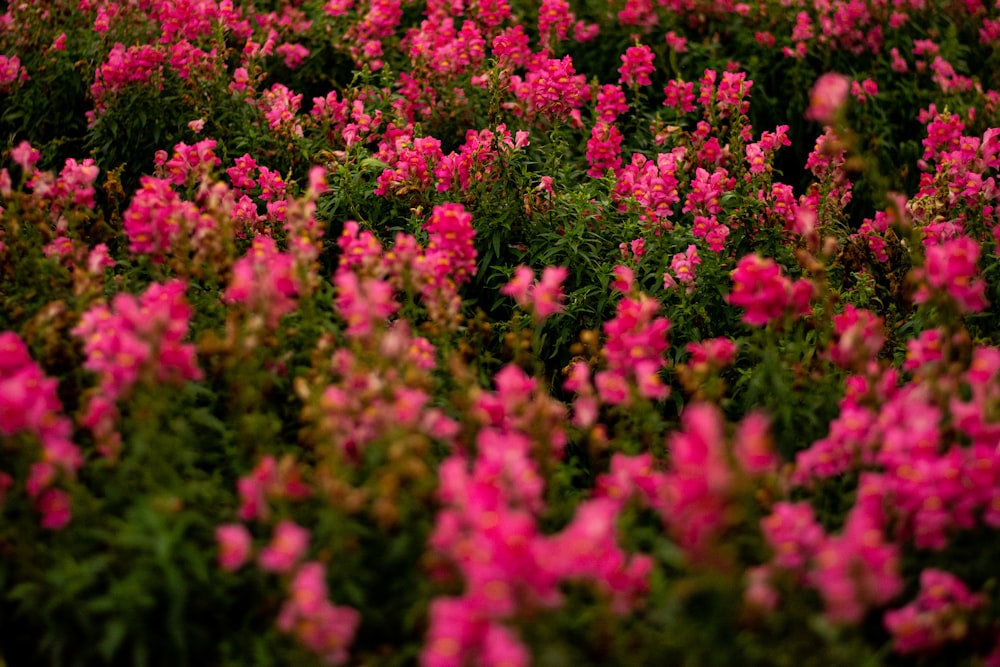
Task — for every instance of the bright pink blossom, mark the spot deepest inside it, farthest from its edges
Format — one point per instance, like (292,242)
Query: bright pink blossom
(637,65)
(760,288)
(952,268)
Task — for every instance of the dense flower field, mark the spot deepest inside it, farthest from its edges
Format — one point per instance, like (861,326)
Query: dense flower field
(499,333)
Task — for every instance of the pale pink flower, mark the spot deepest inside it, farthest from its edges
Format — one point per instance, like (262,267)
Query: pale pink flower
(828,97)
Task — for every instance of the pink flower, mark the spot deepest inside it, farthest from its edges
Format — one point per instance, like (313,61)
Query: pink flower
(679,95)
(793,533)
(637,65)
(759,591)
(287,547)
(308,589)
(25,156)
(294,54)
(54,504)
(502,648)
(265,281)
(610,103)
(519,287)
(624,279)
(554,20)
(612,386)
(753,447)
(676,43)
(542,298)
(952,268)
(450,247)
(828,97)
(863,90)
(308,614)
(234,545)
(636,341)
(548,293)
(714,352)
(683,265)
(937,616)
(859,568)
(11,71)
(588,549)
(364,303)
(924,349)
(701,479)
(604,149)
(761,289)
(552,89)
(456,629)
(858,337)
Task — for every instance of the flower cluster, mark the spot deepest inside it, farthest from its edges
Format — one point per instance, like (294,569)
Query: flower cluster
(853,571)
(683,266)
(637,65)
(134,65)
(265,281)
(552,90)
(542,298)
(29,405)
(936,617)
(307,613)
(157,217)
(764,293)
(133,340)
(483,491)
(488,530)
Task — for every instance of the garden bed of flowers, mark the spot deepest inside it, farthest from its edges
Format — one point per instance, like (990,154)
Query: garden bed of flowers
(499,333)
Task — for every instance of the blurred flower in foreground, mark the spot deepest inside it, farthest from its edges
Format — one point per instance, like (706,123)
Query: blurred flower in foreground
(827,98)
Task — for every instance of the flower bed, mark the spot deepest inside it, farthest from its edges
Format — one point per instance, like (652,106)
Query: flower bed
(499,333)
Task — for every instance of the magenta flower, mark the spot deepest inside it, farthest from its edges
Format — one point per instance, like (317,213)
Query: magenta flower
(637,65)
(548,293)
(604,149)
(502,648)
(760,288)
(952,268)
(554,20)
(456,630)
(610,103)
(936,617)
(793,533)
(683,265)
